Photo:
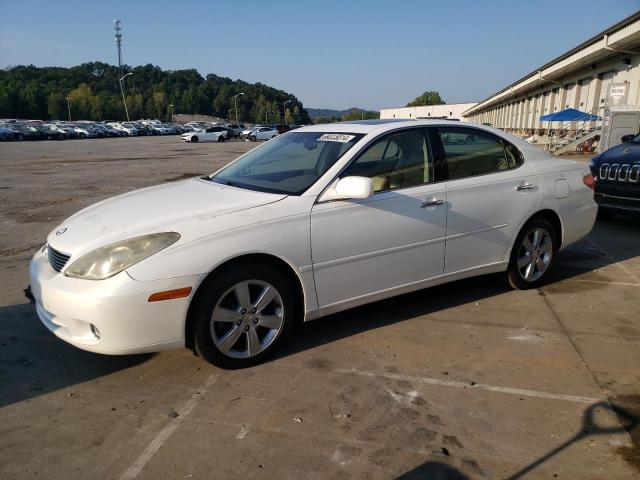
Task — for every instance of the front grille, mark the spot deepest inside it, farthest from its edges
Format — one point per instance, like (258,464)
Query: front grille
(57,259)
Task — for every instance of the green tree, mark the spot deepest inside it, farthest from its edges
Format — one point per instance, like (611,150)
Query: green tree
(56,106)
(81,101)
(430,97)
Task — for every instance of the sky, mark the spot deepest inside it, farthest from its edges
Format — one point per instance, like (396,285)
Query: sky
(330,54)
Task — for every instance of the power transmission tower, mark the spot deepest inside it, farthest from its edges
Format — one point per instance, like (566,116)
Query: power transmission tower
(118,29)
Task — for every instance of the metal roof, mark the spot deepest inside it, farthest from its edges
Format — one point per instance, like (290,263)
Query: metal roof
(635,17)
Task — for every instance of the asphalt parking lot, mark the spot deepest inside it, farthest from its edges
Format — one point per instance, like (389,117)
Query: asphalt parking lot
(462,381)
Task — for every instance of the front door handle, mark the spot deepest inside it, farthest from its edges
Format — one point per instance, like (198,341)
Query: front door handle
(432,202)
(525,186)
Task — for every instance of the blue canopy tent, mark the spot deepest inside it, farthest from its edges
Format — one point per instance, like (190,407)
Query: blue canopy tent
(569,115)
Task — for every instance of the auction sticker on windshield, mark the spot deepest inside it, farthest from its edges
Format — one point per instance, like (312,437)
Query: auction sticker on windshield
(336,137)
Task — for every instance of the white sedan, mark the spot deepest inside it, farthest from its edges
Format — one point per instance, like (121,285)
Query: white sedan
(211,134)
(317,220)
(263,133)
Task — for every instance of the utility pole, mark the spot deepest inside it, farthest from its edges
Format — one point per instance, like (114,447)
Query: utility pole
(118,29)
(124,100)
(69,107)
(171,106)
(235,104)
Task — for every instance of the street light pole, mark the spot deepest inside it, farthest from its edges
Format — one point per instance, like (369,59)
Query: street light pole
(69,108)
(124,100)
(171,106)
(235,104)
(284,110)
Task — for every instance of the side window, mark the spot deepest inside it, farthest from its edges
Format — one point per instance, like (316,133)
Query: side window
(514,157)
(396,161)
(469,152)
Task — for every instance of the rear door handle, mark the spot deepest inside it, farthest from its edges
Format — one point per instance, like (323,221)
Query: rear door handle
(525,186)
(432,202)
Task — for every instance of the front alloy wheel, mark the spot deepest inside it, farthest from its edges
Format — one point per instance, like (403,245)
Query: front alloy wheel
(247,319)
(242,315)
(532,255)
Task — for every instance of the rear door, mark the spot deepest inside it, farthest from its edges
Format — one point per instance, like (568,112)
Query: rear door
(490,190)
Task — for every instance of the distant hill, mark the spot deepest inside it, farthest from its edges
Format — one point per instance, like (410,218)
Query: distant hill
(328,112)
(328,115)
(91,91)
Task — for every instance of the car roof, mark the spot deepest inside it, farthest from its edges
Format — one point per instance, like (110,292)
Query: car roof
(371,126)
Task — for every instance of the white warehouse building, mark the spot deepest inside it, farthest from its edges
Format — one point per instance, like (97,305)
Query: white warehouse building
(598,73)
(451,111)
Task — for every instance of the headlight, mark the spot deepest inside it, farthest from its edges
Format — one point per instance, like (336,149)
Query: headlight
(110,260)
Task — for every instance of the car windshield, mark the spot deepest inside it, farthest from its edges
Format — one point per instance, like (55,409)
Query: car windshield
(288,164)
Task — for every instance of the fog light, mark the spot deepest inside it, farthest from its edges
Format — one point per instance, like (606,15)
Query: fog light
(95,331)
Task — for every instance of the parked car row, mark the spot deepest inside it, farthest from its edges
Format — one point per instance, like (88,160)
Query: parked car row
(58,130)
(11,129)
(266,132)
(219,132)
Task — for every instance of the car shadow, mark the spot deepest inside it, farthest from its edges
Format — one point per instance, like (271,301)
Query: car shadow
(34,362)
(582,261)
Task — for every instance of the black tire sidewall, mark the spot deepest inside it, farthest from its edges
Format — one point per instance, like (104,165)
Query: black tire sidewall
(513,275)
(216,287)
(194,139)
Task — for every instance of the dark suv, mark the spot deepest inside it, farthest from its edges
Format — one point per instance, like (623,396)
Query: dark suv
(617,175)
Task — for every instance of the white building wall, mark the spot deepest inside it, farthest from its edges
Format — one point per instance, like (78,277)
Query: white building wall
(449,110)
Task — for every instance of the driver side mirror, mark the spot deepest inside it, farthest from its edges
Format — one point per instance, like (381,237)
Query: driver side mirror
(354,187)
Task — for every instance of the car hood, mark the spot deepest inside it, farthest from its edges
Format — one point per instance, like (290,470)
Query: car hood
(621,154)
(188,207)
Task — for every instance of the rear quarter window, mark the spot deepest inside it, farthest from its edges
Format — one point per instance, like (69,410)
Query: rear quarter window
(471,152)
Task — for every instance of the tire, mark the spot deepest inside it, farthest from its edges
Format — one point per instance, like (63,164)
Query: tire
(220,301)
(20,137)
(221,138)
(274,136)
(194,139)
(524,272)
(605,214)
(82,135)
(252,138)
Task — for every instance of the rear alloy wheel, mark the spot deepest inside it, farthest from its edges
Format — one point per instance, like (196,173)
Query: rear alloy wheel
(194,139)
(532,255)
(243,315)
(252,138)
(221,138)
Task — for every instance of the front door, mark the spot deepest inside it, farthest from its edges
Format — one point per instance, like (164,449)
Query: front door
(392,239)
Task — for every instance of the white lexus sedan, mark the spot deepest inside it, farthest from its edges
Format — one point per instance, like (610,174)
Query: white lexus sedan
(263,133)
(315,221)
(210,134)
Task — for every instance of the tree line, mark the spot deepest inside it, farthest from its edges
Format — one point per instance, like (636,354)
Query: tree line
(93,93)
(352,114)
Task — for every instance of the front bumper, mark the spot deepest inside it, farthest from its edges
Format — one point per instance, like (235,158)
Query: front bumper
(116,307)
(618,203)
